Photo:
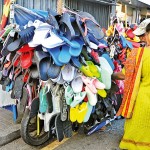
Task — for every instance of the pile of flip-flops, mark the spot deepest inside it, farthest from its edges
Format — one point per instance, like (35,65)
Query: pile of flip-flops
(60,69)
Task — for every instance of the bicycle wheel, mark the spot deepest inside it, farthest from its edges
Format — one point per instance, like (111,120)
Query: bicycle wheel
(29,130)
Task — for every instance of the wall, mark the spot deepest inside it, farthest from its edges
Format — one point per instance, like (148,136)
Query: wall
(99,11)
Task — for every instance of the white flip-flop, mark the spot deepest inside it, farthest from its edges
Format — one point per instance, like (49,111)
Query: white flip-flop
(77,84)
(68,72)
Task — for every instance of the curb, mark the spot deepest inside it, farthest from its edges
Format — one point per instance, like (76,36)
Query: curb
(10,137)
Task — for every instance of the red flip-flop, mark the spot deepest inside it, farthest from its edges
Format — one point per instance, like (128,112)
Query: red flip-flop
(25,48)
(26,59)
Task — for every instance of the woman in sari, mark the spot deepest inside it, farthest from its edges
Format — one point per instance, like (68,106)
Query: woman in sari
(135,105)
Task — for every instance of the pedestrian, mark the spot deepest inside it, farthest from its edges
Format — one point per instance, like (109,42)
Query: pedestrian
(135,105)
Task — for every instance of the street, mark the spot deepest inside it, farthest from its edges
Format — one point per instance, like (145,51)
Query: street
(102,140)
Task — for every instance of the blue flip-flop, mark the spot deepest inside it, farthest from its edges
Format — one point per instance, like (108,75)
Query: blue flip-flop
(64,55)
(76,51)
(106,56)
(123,41)
(76,62)
(54,52)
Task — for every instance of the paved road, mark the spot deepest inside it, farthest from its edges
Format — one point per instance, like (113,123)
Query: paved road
(108,140)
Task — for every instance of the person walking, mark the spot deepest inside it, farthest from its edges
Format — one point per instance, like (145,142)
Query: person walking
(135,105)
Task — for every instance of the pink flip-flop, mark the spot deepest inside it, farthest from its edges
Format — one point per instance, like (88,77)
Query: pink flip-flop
(89,83)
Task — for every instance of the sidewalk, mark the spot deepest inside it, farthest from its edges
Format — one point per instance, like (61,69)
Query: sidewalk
(9,131)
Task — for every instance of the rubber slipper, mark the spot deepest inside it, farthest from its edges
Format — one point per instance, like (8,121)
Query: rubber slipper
(4,50)
(34,71)
(23,100)
(76,51)
(34,107)
(88,114)
(68,94)
(123,41)
(52,40)
(106,78)
(95,56)
(63,106)
(89,82)
(59,128)
(41,31)
(64,55)
(25,36)
(98,84)
(106,56)
(93,69)
(86,70)
(92,25)
(53,71)
(82,110)
(25,48)
(26,59)
(66,26)
(78,98)
(73,113)
(18,87)
(44,65)
(77,84)
(92,98)
(68,72)
(102,93)
(104,64)
(75,62)
(43,101)
(54,52)
(51,131)
(67,128)
(53,18)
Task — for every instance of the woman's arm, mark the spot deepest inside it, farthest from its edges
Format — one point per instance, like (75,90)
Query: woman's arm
(118,76)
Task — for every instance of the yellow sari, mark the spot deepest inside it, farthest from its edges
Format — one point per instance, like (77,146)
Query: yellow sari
(136,103)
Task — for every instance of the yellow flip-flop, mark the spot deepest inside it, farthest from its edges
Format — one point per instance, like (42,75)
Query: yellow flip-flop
(83,108)
(94,70)
(102,93)
(86,70)
(74,113)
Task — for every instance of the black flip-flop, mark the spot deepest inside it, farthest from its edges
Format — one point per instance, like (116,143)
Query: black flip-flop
(59,128)
(67,128)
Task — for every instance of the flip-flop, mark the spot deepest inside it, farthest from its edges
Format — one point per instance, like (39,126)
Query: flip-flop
(52,40)
(54,52)
(34,107)
(66,26)
(73,113)
(93,69)
(86,70)
(78,98)
(106,56)
(77,84)
(89,82)
(41,31)
(68,94)
(53,71)
(59,128)
(67,128)
(82,110)
(43,101)
(76,51)
(23,100)
(18,87)
(102,93)
(92,98)
(64,55)
(25,36)
(68,72)
(75,62)
(88,114)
